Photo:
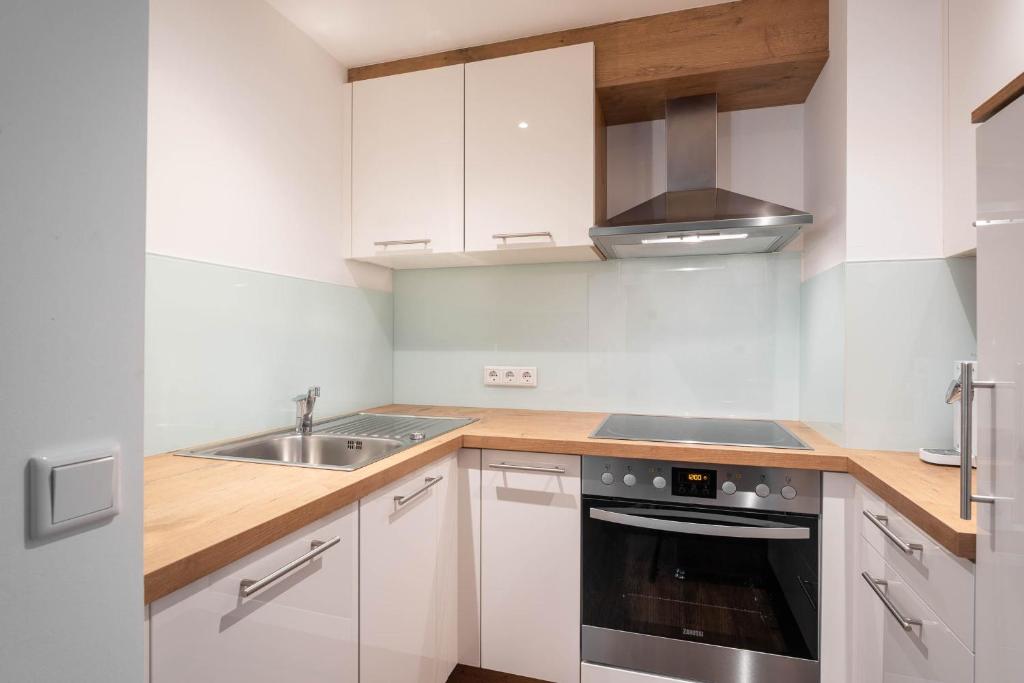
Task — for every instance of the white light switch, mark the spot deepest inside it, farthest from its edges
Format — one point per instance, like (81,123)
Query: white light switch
(82,488)
(70,490)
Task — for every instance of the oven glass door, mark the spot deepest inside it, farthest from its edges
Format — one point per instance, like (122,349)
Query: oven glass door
(734,578)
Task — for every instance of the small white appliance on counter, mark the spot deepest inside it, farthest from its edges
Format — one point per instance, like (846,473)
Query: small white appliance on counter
(951,456)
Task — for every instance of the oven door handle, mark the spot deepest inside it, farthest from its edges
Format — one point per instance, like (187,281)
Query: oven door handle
(772,531)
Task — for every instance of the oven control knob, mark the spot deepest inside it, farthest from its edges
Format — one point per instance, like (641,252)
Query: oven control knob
(607,478)
(659,482)
(762,490)
(729,488)
(629,479)
(788,492)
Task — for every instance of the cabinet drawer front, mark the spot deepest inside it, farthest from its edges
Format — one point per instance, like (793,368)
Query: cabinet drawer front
(300,626)
(928,652)
(530,565)
(945,582)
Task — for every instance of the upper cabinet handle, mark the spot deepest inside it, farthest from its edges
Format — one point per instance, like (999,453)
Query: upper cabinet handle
(881,522)
(513,235)
(392,243)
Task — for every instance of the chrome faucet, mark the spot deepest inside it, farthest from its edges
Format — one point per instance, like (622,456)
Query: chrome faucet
(304,410)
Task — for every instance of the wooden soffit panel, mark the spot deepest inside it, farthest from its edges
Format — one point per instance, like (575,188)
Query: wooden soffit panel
(753,53)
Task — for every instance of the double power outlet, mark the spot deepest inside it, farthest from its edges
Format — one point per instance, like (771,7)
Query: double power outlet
(509,376)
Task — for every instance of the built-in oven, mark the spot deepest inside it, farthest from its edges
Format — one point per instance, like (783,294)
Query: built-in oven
(706,573)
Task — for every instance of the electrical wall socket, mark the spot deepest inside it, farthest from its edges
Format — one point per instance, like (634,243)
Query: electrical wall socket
(510,376)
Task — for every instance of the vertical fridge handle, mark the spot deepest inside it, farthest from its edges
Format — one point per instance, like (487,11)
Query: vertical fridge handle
(962,388)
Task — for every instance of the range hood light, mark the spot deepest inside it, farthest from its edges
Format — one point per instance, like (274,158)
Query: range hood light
(696,239)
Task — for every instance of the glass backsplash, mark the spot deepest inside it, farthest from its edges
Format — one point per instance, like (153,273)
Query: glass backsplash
(227,349)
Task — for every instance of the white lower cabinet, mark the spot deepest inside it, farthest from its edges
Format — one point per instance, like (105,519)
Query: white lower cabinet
(300,627)
(530,565)
(883,650)
(409,583)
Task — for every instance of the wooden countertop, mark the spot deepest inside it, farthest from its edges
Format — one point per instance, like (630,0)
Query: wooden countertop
(202,514)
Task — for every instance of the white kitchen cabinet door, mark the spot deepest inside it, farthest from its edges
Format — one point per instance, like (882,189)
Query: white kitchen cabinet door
(530,150)
(398,561)
(883,652)
(408,618)
(302,627)
(530,565)
(407,163)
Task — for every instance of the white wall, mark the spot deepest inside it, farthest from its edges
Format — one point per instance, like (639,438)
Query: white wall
(825,154)
(894,130)
(985,52)
(760,153)
(874,136)
(249,162)
(72,239)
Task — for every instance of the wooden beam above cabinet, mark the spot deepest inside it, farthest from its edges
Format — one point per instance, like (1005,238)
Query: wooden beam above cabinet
(753,53)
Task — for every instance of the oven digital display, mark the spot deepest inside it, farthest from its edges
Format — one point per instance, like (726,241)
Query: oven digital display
(694,483)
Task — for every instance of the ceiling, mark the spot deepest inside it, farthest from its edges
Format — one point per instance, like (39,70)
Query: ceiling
(360,32)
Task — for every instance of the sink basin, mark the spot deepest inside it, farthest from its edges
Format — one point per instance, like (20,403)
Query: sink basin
(313,450)
(345,443)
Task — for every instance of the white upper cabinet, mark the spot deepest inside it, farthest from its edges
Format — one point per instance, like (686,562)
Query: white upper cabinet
(530,150)
(407,163)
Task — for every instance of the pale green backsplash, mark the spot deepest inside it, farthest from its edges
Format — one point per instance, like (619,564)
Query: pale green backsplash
(822,351)
(907,322)
(684,336)
(226,349)
(879,340)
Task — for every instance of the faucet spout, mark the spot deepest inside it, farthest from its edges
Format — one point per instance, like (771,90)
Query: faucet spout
(304,410)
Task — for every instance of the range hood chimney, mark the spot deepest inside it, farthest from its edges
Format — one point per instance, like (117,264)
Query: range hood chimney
(696,216)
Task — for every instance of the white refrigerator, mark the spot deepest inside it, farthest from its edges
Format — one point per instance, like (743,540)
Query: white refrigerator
(999,400)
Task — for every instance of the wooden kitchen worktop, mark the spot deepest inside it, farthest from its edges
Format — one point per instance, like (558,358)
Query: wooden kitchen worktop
(201,514)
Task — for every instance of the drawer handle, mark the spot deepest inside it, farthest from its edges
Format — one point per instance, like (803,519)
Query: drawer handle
(248,587)
(876,586)
(880,521)
(430,481)
(503,236)
(553,469)
(395,243)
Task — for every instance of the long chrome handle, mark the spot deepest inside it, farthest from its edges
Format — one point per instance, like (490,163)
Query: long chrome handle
(880,522)
(876,586)
(554,469)
(393,243)
(514,235)
(963,388)
(700,528)
(430,481)
(249,586)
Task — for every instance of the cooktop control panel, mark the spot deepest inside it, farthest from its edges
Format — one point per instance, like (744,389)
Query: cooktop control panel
(736,486)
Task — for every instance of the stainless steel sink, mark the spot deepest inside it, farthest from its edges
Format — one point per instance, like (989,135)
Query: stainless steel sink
(345,443)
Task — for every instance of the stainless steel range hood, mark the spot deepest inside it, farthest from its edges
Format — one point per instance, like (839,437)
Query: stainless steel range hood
(695,216)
